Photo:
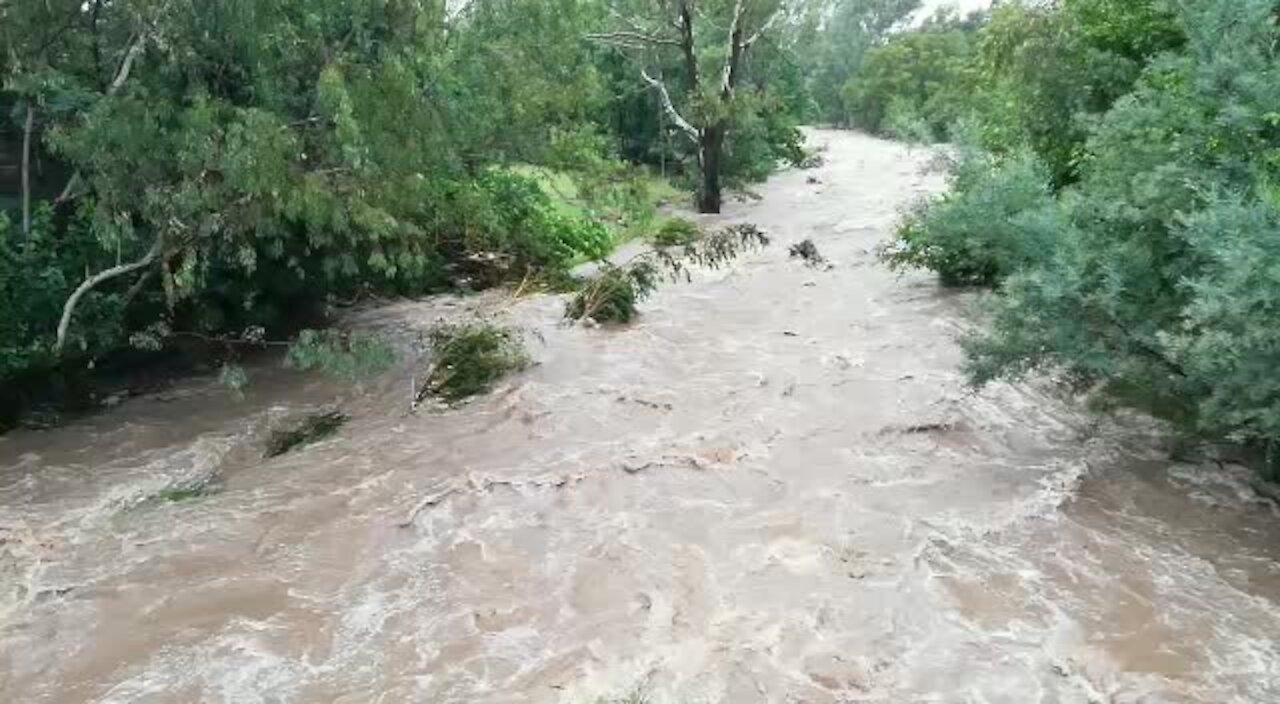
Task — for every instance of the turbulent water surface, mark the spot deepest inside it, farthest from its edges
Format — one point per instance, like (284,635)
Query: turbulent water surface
(773,488)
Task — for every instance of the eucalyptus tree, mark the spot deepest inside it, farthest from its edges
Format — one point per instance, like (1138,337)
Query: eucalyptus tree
(693,54)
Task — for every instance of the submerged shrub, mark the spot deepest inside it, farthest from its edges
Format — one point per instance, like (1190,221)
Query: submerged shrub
(179,494)
(469,358)
(989,225)
(310,430)
(613,294)
(807,251)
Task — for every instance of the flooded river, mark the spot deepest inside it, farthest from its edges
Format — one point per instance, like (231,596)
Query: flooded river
(773,488)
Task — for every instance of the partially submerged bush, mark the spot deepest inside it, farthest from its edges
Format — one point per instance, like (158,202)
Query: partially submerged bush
(613,294)
(469,358)
(311,429)
(811,160)
(989,225)
(676,232)
(807,251)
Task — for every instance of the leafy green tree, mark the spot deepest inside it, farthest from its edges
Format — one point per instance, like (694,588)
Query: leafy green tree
(925,74)
(843,32)
(1044,72)
(1159,284)
(202,168)
(710,62)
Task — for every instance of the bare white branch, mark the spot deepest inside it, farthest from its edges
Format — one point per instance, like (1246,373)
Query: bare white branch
(731,58)
(669,107)
(632,39)
(768,24)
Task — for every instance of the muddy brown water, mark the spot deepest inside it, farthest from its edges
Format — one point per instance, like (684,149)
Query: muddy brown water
(773,488)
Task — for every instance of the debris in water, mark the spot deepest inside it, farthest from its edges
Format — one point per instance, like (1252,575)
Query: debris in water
(647,404)
(813,159)
(929,428)
(808,251)
(311,430)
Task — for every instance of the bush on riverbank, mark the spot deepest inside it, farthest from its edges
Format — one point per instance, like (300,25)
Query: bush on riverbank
(1141,260)
(996,218)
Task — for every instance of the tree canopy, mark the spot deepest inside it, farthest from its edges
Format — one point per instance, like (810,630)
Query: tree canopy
(175,167)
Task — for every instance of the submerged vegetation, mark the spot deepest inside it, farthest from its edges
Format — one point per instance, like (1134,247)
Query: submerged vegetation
(676,232)
(309,430)
(806,251)
(180,494)
(613,294)
(467,359)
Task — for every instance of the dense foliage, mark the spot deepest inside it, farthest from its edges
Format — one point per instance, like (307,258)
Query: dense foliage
(841,34)
(915,85)
(1126,207)
(174,168)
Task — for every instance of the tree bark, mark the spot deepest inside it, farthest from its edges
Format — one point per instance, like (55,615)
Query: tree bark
(712,150)
(26,173)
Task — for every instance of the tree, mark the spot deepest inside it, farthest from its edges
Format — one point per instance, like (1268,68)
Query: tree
(229,165)
(846,31)
(1130,218)
(710,66)
(922,75)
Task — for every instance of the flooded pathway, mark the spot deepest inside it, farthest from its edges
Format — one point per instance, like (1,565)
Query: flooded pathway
(772,488)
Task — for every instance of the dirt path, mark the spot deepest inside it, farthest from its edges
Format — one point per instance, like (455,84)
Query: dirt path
(774,488)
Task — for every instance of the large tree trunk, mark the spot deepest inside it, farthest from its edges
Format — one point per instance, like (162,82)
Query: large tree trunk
(712,150)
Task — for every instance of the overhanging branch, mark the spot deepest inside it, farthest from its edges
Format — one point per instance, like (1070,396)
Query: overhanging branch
(69,308)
